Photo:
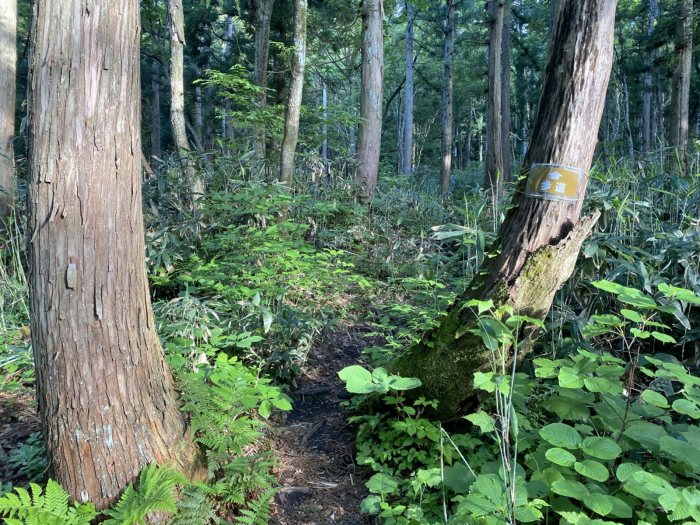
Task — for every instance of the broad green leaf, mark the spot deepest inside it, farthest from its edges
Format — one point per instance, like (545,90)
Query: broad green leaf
(598,503)
(664,338)
(527,514)
(355,372)
(592,470)
(601,448)
(655,398)
(686,407)
(404,383)
(561,435)
(570,378)
(631,315)
(382,483)
(482,420)
(680,451)
(602,384)
(646,434)
(620,508)
(560,457)
(608,286)
(682,294)
(567,408)
(626,470)
(484,381)
(637,298)
(570,488)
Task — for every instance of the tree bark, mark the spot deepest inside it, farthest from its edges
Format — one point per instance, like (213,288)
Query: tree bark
(176,24)
(493,180)
(263,16)
(447,101)
(540,239)
(372,71)
(649,68)
(296,90)
(324,145)
(155,115)
(505,94)
(8,69)
(680,94)
(106,397)
(407,155)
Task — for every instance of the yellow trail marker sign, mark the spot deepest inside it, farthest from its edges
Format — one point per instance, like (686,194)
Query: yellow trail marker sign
(554,182)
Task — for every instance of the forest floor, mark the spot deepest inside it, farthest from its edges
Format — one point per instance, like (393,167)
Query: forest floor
(321,484)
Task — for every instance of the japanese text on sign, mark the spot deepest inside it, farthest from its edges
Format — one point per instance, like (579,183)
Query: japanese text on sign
(554,182)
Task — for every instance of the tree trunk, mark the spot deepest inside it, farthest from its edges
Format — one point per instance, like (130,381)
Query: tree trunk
(8,68)
(680,94)
(155,116)
(493,181)
(540,238)
(407,156)
(505,95)
(324,130)
(649,68)
(106,397)
(176,24)
(296,89)
(447,104)
(372,71)
(263,15)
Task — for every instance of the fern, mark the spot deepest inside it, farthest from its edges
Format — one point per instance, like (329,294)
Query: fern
(41,507)
(258,510)
(155,493)
(195,506)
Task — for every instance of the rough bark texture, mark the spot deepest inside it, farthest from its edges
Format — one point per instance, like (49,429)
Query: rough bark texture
(8,68)
(176,24)
(106,396)
(493,180)
(263,15)
(407,155)
(680,94)
(540,239)
(370,136)
(296,90)
(649,68)
(447,97)
(505,94)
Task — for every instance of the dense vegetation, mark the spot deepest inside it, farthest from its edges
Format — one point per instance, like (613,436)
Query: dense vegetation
(597,418)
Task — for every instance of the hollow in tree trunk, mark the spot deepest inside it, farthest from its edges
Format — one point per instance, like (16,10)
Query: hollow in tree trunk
(106,397)
(540,239)
(8,67)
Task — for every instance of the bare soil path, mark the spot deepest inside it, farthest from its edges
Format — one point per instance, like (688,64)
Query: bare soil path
(321,484)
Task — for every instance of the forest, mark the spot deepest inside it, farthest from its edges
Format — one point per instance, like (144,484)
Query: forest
(313,262)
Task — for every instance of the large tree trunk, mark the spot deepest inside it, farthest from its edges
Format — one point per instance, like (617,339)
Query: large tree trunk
(176,24)
(505,94)
(263,16)
(155,115)
(540,238)
(649,68)
(493,180)
(407,155)
(680,94)
(370,98)
(8,67)
(447,104)
(106,396)
(296,90)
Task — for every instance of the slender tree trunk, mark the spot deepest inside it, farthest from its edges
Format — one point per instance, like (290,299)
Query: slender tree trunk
(106,397)
(407,156)
(8,68)
(505,94)
(447,97)
(324,146)
(198,110)
(680,93)
(176,24)
(493,181)
(263,15)
(155,115)
(370,98)
(649,68)
(540,238)
(296,89)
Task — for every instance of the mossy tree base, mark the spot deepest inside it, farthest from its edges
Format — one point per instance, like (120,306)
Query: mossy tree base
(446,358)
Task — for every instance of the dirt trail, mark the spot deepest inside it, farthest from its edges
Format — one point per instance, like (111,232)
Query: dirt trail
(321,484)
